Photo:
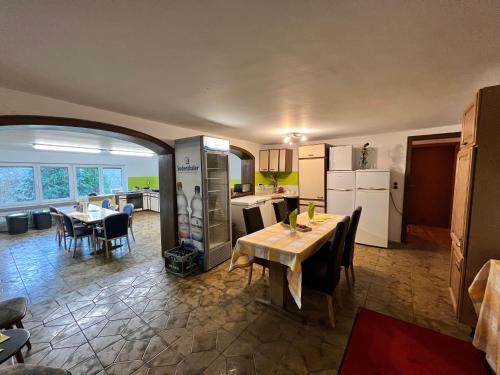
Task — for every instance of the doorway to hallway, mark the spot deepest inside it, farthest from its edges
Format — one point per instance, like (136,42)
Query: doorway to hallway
(429,185)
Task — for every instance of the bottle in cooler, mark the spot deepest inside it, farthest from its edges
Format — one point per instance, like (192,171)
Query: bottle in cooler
(197,220)
(183,217)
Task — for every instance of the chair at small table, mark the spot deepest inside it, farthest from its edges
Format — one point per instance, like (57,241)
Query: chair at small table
(348,256)
(253,223)
(12,311)
(60,229)
(129,209)
(321,271)
(114,227)
(76,232)
(280,210)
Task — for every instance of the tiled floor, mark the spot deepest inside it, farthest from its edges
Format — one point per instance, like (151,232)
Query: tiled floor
(126,315)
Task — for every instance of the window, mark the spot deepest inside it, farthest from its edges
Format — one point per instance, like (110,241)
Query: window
(55,183)
(112,179)
(17,185)
(87,180)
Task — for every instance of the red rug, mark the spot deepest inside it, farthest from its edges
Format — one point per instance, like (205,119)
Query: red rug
(380,344)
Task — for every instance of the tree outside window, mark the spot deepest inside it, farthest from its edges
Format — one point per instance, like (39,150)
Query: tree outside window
(55,182)
(87,180)
(17,185)
(112,179)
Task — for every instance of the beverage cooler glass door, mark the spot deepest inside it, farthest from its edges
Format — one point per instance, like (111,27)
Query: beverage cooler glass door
(217,193)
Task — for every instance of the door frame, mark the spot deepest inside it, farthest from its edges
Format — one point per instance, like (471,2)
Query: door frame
(409,149)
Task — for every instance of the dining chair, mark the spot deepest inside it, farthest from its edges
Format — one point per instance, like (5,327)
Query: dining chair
(348,256)
(321,271)
(12,311)
(106,203)
(129,209)
(76,232)
(53,209)
(280,210)
(60,229)
(292,203)
(254,223)
(114,227)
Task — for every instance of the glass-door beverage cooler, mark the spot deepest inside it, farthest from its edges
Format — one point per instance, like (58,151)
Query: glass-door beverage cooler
(203,198)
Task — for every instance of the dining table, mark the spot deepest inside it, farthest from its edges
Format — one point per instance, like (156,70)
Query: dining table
(93,215)
(285,250)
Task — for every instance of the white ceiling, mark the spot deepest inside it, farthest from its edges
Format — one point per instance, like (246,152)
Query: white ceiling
(253,69)
(23,139)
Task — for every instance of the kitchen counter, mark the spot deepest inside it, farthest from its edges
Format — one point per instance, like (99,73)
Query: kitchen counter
(280,195)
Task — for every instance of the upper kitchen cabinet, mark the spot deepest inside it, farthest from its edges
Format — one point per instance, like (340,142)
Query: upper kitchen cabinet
(469,124)
(286,160)
(264,160)
(274,160)
(312,151)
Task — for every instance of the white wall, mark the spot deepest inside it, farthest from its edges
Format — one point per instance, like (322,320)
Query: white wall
(14,102)
(388,152)
(136,166)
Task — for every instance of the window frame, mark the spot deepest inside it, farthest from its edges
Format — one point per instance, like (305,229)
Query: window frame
(35,177)
(71,183)
(40,201)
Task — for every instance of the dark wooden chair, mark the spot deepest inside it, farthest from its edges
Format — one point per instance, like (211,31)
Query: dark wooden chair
(76,232)
(114,227)
(321,272)
(12,311)
(348,256)
(280,210)
(253,223)
(292,203)
(129,209)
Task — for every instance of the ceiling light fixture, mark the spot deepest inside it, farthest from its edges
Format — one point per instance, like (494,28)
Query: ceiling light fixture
(132,153)
(294,137)
(46,147)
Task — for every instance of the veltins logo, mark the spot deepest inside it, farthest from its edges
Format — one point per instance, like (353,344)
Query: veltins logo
(187,167)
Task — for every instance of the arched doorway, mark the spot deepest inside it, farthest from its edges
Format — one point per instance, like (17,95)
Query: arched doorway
(168,222)
(247,161)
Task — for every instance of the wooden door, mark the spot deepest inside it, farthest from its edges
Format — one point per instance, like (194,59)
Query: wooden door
(461,199)
(274,159)
(264,160)
(469,125)
(312,179)
(456,275)
(430,190)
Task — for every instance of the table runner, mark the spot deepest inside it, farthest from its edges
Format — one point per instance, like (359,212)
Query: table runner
(277,244)
(485,295)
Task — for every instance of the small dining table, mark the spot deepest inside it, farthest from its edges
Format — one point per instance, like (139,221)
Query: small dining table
(285,250)
(93,215)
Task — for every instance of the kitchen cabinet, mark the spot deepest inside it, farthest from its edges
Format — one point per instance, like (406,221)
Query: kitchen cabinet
(145,201)
(264,160)
(285,160)
(475,219)
(274,160)
(469,125)
(312,179)
(312,151)
(154,202)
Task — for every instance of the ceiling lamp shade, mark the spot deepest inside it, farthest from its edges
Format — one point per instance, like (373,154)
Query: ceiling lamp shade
(46,147)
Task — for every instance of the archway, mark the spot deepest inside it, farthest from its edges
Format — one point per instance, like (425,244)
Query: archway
(247,166)
(168,216)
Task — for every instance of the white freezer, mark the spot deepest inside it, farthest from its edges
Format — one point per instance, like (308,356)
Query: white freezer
(237,206)
(340,192)
(341,158)
(373,179)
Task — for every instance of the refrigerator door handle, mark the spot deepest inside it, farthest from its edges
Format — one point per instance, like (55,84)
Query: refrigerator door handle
(338,189)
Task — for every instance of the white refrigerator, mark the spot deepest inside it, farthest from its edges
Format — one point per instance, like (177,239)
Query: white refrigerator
(373,195)
(340,193)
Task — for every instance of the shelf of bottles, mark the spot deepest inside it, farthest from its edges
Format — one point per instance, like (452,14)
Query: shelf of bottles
(217,198)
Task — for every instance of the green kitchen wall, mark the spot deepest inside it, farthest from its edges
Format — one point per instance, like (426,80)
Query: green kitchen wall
(284,178)
(151,181)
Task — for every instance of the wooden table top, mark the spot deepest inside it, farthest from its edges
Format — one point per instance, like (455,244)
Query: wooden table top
(95,214)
